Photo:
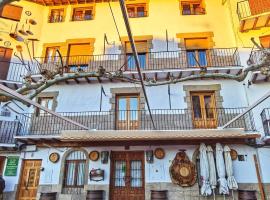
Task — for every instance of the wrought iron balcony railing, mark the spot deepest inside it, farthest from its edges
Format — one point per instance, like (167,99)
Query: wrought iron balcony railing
(165,60)
(9,129)
(177,119)
(265,115)
(226,57)
(246,8)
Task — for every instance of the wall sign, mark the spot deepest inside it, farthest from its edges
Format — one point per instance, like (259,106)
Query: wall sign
(12,166)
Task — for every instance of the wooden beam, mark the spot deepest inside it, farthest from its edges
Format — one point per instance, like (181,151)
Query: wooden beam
(242,25)
(168,76)
(156,76)
(99,80)
(239,72)
(180,75)
(77,80)
(228,71)
(144,76)
(254,78)
(262,194)
(255,23)
(88,80)
(133,76)
(267,21)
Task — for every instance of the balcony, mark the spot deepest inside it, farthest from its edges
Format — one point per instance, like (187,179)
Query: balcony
(154,65)
(164,120)
(265,115)
(8,129)
(253,14)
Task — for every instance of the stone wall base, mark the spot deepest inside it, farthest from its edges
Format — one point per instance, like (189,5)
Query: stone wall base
(174,192)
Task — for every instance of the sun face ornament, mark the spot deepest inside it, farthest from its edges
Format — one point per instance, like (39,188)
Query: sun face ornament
(182,170)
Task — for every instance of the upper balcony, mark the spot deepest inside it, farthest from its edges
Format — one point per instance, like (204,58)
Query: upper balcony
(154,65)
(253,14)
(265,115)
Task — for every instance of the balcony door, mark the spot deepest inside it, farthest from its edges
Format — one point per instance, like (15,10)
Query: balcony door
(5,57)
(204,110)
(127,113)
(127,176)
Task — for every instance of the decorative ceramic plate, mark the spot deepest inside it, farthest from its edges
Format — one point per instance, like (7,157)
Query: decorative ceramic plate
(234,154)
(54,157)
(94,155)
(159,153)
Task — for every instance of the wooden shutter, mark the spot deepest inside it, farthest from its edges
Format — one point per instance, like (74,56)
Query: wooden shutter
(80,49)
(265,41)
(141,46)
(196,43)
(11,12)
(5,57)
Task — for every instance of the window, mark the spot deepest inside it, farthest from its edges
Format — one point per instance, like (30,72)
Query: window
(82,14)
(127,112)
(196,58)
(192,8)
(46,102)
(51,54)
(142,49)
(204,110)
(136,10)
(74,174)
(265,41)
(79,55)
(196,51)
(11,12)
(56,15)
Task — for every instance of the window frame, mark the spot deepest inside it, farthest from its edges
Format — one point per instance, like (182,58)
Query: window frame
(192,7)
(127,111)
(60,18)
(54,56)
(197,57)
(136,6)
(83,10)
(75,173)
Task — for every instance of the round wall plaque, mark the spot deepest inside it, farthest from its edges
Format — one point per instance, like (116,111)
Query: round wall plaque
(94,155)
(234,154)
(159,153)
(54,157)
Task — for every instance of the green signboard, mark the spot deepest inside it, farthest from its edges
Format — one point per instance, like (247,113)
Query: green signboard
(12,166)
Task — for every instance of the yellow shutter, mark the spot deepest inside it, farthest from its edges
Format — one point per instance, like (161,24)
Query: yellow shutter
(141,46)
(11,12)
(196,43)
(80,49)
(265,41)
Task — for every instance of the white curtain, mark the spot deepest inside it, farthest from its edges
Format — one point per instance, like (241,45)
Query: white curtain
(204,169)
(232,184)
(223,187)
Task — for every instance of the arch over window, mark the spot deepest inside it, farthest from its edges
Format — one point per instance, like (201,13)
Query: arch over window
(75,169)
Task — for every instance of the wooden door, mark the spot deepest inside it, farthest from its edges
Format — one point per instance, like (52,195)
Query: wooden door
(127,112)
(29,180)
(127,176)
(204,110)
(5,57)
(2,164)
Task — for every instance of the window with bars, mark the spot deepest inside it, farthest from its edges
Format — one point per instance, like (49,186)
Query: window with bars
(74,175)
(137,10)
(82,14)
(56,15)
(192,8)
